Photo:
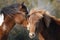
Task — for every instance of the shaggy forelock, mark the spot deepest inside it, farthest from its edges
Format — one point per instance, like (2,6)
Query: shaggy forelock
(41,13)
(34,10)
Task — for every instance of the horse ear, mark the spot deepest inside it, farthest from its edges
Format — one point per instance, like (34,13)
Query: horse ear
(22,3)
(47,19)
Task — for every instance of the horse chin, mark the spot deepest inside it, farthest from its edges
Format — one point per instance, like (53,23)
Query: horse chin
(32,35)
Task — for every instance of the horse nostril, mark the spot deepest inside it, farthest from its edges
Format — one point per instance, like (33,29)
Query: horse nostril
(31,35)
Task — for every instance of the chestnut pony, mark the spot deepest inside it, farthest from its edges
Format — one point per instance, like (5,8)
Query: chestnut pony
(44,25)
(10,15)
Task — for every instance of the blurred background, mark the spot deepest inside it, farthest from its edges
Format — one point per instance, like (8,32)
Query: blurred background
(19,33)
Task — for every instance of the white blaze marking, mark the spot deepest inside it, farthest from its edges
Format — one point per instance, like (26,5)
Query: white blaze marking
(28,26)
(1,19)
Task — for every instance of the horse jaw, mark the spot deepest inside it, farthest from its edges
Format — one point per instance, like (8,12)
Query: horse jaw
(1,19)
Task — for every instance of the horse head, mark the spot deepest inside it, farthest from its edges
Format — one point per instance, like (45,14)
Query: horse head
(36,17)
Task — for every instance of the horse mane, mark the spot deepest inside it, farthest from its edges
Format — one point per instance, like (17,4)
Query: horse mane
(53,26)
(12,9)
(9,9)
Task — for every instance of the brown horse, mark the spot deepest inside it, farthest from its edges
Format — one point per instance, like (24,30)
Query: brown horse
(15,13)
(44,25)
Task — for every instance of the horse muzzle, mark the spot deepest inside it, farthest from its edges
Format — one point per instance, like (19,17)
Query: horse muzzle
(32,35)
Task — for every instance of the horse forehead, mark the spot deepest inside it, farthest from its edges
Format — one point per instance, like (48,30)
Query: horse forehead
(1,19)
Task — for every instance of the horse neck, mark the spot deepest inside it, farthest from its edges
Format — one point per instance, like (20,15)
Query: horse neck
(8,24)
(6,28)
(52,30)
(57,21)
